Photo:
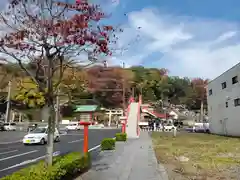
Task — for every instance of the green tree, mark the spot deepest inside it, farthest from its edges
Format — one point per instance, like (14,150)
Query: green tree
(151,83)
(31,98)
(75,84)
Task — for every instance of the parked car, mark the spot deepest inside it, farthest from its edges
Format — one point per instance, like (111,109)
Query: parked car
(169,127)
(199,127)
(39,136)
(2,126)
(178,124)
(10,126)
(74,126)
(31,127)
(101,125)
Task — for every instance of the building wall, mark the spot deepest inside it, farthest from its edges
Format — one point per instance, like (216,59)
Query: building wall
(222,119)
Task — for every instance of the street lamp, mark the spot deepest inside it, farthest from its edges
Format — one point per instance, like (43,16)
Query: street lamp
(123,90)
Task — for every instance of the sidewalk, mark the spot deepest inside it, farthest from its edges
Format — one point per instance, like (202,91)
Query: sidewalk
(133,160)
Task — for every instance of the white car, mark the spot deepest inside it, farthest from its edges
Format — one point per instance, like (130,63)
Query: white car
(39,136)
(101,125)
(169,128)
(74,126)
(10,126)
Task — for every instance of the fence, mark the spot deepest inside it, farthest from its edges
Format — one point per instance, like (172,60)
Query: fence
(149,129)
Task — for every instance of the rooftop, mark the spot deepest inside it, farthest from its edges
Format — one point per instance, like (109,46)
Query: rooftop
(86,108)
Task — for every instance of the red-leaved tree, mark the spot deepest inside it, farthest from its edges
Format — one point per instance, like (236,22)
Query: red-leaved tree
(48,37)
(107,85)
(199,86)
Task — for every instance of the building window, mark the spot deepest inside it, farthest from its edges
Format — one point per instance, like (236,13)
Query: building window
(234,80)
(226,104)
(224,85)
(237,102)
(210,92)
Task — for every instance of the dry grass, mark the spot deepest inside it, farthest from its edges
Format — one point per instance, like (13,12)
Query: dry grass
(211,157)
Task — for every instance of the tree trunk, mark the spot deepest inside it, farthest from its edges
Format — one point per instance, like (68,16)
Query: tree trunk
(57,111)
(51,110)
(50,137)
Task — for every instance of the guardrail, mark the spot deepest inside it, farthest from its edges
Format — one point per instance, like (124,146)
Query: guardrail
(24,126)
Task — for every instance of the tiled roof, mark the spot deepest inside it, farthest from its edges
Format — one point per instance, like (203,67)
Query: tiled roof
(86,108)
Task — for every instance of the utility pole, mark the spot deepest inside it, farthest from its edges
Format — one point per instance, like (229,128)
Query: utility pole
(133,92)
(8,110)
(57,115)
(201,112)
(124,93)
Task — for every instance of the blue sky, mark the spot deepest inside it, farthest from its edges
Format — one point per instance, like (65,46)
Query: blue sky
(194,38)
(189,37)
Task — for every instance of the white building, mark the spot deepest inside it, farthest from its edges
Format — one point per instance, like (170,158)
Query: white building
(223,95)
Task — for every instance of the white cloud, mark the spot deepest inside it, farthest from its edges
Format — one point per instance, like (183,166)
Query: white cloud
(188,46)
(226,36)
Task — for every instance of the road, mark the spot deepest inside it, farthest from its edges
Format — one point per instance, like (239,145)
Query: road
(14,155)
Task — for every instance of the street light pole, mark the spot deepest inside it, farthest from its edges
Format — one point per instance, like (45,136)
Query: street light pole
(123,90)
(133,92)
(8,110)
(57,115)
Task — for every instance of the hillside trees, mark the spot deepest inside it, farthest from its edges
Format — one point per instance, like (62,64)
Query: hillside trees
(107,85)
(151,83)
(199,86)
(49,38)
(104,86)
(74,84)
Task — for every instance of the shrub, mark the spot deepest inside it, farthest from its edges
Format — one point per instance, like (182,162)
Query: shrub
(121,136)
(108,144)
(63,168)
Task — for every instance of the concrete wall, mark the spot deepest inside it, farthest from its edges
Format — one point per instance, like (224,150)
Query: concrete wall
(224,120)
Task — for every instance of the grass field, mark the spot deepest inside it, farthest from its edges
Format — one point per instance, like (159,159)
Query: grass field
(193,156)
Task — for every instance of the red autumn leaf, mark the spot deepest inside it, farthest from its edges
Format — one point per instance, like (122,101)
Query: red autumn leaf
(75,29)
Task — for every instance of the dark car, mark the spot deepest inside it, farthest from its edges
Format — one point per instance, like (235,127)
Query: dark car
(31,127)
(178,124)
(2,126)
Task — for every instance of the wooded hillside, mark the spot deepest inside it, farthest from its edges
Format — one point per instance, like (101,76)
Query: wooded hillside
(105,85)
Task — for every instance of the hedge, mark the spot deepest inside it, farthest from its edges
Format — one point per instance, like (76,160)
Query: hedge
(64,167)
(121,136)
(108,144)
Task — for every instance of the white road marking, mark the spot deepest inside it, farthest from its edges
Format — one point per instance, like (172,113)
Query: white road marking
(72,134)
(39,158)
(28,161)
(96,147)
(17,155)
(92,149)
(23,163)
(11,142)
(79,140)
(8,152)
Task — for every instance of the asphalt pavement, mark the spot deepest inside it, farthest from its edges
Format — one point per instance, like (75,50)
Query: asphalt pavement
(14,155)
(8,137)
